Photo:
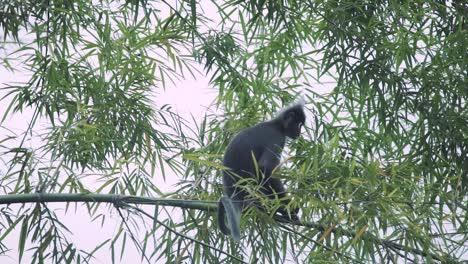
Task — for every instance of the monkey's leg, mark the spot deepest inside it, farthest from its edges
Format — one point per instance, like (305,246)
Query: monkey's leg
(274,187)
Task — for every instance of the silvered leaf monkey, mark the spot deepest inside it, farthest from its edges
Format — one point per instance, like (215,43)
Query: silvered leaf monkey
(256,151)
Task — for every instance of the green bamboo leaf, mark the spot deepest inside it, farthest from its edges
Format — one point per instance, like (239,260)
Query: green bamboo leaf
(22,238)
(195,158)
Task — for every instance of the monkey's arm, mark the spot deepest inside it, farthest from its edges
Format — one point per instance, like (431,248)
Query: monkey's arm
(275,187)
(272,187)
(268,161)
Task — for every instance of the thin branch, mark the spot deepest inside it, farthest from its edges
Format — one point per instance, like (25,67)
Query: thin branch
(319,244)
(185,236)
(385,243)
(140,248)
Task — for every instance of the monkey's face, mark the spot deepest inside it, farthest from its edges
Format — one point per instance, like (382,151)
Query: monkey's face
(294,130)
(293,124)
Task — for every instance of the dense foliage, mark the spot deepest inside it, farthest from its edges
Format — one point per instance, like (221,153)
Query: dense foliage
(380,176)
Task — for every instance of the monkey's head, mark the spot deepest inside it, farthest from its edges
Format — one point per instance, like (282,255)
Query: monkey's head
(292,120)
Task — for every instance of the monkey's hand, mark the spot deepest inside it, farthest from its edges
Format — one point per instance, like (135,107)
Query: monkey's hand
(293,218)
(291,215)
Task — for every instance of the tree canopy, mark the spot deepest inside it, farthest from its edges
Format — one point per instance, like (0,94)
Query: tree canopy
(379,176)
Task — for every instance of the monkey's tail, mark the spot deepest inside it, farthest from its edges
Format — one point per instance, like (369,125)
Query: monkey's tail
(221,223)
(226,207)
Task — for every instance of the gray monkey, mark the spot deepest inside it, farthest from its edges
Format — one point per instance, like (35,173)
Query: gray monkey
(263,142)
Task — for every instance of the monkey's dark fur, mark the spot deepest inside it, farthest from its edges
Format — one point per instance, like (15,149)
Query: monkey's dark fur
(264,142)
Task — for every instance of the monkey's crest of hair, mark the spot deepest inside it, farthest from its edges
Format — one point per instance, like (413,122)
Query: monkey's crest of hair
(297,104)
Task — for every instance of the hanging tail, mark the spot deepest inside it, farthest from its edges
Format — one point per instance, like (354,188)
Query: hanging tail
(226,208)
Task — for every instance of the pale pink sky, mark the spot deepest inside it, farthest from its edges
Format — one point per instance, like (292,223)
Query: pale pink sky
(190,96)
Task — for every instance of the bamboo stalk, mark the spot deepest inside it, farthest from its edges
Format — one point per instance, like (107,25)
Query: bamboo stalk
(187,204)
(105,198)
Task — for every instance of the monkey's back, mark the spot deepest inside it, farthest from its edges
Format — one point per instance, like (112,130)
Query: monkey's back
(249,143)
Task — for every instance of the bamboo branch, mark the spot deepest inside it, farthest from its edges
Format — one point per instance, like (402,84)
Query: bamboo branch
(105,198)
(210,206)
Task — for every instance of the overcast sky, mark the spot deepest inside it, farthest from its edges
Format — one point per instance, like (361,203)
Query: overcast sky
(189,97)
